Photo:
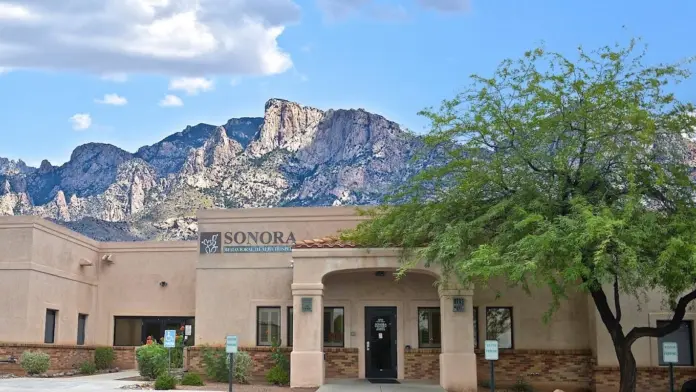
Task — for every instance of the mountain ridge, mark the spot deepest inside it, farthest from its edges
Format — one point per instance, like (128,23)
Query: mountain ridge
(294,155)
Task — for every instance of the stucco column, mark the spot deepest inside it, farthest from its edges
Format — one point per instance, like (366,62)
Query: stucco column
(307,357)
(457,358)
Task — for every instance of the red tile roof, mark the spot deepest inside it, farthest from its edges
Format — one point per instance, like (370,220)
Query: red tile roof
(325,242)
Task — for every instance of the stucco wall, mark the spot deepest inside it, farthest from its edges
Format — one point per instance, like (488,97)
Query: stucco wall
(567,329)
(231,286)
(130,286)
(645,310)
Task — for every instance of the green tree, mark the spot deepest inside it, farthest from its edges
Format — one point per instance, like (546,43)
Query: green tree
(564,175)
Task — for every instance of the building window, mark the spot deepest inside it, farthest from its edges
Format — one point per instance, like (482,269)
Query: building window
(333,327)
(290,321)
(268,326)
(135,330)
(476,344)
(50,328)
(499,326)
(683,337)
(81,325)
(429,327)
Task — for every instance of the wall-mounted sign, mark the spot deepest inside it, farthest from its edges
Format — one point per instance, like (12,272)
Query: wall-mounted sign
(380,325)
(306,304)
(187,330)
(246,242)
(458,304)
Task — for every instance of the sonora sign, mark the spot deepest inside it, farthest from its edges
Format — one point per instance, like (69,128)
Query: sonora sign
(246,242)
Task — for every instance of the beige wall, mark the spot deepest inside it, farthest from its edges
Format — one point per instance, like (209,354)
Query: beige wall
(567,329)
(645,310)
(43,271)
(130,286)
(230,287)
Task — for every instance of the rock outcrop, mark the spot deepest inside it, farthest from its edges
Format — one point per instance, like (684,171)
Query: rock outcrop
(293,156)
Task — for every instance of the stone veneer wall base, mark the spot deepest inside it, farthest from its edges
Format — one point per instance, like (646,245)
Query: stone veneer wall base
(63,357)
(340,362)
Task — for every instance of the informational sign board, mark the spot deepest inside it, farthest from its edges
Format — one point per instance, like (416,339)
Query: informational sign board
(231,344)
(458,304)
(307,304)
(491,350)
(170,338)
(670,353)
(187,330)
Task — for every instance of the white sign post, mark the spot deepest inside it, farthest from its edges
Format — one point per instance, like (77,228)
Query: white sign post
(491,355)
(169,343)
(670,355)
(231,349)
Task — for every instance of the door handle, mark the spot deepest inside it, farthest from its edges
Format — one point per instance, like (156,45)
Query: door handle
(368,345)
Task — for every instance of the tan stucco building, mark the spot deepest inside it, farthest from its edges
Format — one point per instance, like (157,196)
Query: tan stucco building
(265,274)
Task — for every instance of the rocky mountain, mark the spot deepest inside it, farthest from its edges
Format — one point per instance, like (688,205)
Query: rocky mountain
(293,156)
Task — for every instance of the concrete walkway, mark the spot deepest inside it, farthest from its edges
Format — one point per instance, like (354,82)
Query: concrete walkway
(366,386)
(97,382)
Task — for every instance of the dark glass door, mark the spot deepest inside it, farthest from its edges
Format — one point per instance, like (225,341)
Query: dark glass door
(380,342)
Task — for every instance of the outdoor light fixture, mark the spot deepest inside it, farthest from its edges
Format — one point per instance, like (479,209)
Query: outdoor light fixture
(163,284)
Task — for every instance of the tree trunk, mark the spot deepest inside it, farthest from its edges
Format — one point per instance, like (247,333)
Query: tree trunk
(628,371)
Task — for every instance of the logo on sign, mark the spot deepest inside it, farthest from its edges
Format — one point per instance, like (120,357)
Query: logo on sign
(210,243)
(169,338)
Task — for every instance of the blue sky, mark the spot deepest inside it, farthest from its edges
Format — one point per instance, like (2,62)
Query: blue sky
(389,57)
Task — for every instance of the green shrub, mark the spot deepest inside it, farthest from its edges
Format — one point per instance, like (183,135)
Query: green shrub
(280,372)
(521,386)
(278,376)
(104,357)
(178,352)
(215,364)
(242,367)
(192,379)
(165,381)
(152,360)
(88,367)
(34,362)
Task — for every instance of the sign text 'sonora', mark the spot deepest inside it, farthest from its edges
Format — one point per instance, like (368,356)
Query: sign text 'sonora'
(246,242)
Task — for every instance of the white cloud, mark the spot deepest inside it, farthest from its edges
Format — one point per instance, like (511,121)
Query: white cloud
(170,101)
(192,86)
(15,12)
(172,37)
(4,70)
(112,99)
(115,77)
(235,81)
(81,121)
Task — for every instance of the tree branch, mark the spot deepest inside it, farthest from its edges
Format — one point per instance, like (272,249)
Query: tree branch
(673,325)
(602,305)
(617,303)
